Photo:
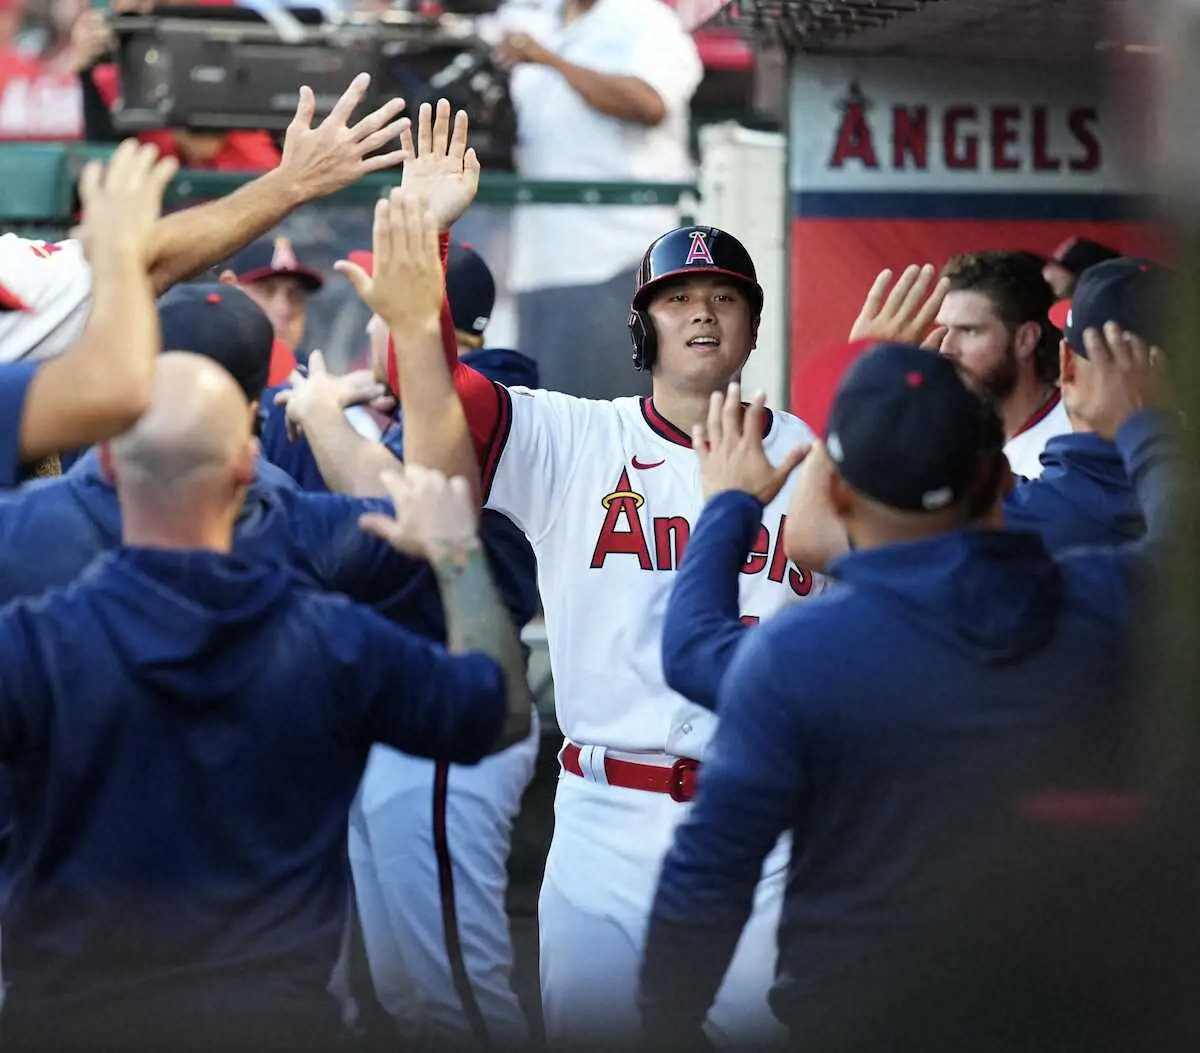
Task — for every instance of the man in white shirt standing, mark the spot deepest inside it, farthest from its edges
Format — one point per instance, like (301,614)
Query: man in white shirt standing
(602,92)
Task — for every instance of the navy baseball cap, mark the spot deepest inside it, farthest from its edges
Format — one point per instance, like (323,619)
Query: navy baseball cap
(220,322)
(470,287)
(905,429)
(273,258)
(1078,254)
(1129,291)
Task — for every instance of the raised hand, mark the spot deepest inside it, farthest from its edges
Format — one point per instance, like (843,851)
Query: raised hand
(122,200)
(405,286)
(440,169)
(316,388)
(1124,375)
(906,313)
(730,448)
(333,155)
(435,518)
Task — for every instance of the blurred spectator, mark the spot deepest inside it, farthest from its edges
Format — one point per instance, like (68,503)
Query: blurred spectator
(39,93)
(1070,260)
(602,92)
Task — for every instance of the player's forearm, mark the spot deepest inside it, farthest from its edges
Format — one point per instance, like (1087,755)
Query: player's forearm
(476,620)
(627,98)
(188,241)
(101,385)
(703,623)
(348,462)
(436,434)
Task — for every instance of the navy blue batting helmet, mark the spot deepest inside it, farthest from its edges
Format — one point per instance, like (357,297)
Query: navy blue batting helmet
(683,251)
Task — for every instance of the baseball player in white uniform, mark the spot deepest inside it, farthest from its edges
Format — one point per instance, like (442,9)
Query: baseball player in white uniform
(606,493)
(1024,448)
(46,291)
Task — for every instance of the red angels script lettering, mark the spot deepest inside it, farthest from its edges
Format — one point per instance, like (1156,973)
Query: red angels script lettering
(756,559)
(671,535)
(621,532)
(854,140)
(800,581)
(699,251)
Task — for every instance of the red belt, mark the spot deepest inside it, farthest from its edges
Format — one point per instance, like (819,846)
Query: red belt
(677,780)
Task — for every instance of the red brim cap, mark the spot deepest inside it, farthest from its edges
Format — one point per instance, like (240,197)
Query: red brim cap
(1059,313)
(364,259)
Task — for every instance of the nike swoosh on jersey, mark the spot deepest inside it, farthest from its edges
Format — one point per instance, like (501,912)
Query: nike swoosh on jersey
(654,464)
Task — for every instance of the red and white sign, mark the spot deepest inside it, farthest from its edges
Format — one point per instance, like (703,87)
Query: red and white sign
(885,124)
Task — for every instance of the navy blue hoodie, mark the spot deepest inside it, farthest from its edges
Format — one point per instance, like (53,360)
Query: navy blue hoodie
(511,557)
(187,731)
(885,724)
(50,530)
(1082,497)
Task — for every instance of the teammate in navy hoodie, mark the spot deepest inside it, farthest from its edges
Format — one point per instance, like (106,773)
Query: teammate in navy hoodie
(52,529)
(892,722)
(187,730)
(429,844)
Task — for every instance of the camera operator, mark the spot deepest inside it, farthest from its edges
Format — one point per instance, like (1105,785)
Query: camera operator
(92,44)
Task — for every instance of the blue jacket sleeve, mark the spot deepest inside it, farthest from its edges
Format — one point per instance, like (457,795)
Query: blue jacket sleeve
(410,693)
(703,621)
(14,382)
(345,559)
(1151,457)
(750,787)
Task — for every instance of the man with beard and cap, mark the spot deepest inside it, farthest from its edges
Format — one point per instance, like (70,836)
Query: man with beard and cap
(995,316)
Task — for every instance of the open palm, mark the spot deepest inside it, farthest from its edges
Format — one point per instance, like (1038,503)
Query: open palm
(441,170)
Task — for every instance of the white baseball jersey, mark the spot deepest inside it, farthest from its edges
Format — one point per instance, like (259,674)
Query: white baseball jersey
(1024,450)
(47,290)
(607,493)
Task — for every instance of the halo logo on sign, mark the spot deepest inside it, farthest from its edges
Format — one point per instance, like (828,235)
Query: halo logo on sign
(699,252)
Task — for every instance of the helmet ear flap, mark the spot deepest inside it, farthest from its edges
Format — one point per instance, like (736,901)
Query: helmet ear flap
(645,340)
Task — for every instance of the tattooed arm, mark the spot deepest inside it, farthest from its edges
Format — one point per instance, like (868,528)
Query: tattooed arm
(437,520)
(478,621)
